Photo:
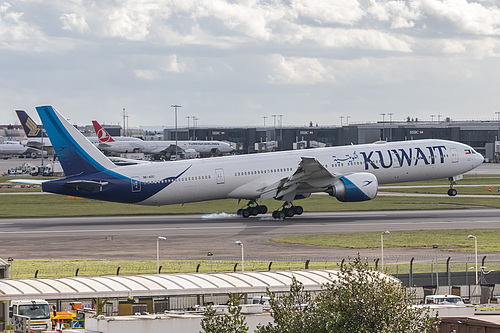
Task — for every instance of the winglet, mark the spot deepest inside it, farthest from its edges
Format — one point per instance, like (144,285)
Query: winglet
(102,134)
(78,156)
(31,129)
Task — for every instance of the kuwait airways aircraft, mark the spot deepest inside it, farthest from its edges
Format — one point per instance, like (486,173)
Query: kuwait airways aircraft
(349,173)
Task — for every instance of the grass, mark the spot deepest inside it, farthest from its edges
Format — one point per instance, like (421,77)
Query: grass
(62,206)
(449,240)
(25,268)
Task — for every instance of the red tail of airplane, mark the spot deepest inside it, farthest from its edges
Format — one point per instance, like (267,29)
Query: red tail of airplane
(102,134)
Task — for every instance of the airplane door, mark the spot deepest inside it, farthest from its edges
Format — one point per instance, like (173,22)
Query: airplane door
(136,184)
(219,176)
(454,155)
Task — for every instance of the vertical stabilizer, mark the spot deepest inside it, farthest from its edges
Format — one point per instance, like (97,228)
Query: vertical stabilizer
(31,129)
(77,155)
(102,134)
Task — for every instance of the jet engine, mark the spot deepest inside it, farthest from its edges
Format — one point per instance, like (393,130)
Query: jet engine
(360,186)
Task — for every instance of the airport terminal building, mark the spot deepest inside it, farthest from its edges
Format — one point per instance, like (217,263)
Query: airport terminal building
(481,135)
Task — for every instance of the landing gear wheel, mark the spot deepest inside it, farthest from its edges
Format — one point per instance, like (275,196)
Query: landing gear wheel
(245,213)
(289,212)
(452,192)
(298,210)
(278,214)
(262,209)
(254,211)
(239,212)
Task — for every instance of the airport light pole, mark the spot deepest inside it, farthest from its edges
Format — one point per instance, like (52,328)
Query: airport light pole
(175,106)
(158,253)
(390,124)
(210,254)
(341,121)
(435,246)
(242,255)
(387,232)
(347,120)
(11,261)
(475,250)
(383,126)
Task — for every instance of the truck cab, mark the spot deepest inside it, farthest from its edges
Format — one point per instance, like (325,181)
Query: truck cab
(37,310)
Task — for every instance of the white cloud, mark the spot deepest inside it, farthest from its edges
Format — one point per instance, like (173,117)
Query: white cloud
(74,22)
(131,19)
(146,74)
(172,65)
(347,12)
(305,71)
(17,34)
(400,14)
(470,17)
(453,46)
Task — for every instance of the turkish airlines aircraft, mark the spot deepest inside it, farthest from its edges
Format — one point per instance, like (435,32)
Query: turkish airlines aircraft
(349,173)
(106,142)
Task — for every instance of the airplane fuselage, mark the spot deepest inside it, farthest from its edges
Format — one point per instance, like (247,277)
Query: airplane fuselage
(246,176)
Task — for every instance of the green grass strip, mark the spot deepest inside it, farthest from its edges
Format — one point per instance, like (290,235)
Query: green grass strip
(449,240)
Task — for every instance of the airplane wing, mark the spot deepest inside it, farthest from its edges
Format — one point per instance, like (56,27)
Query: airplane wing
(28,181)
(310,176)
(126,161)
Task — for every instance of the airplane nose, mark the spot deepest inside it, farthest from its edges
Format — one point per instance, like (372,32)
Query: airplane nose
(480,159)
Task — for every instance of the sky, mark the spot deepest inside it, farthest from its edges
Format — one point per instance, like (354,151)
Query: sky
(234,62)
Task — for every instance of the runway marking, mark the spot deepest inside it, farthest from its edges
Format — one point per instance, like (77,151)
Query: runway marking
(235,227)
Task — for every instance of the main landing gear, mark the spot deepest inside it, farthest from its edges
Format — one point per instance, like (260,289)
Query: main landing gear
(287,210)
(452,192)
(252,209)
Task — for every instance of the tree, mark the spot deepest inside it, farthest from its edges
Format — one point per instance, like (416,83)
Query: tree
(233,322)
(364,300)
(360,300)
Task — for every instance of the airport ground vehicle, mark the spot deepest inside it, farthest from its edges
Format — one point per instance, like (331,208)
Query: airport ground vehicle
(444,299)
(37,310)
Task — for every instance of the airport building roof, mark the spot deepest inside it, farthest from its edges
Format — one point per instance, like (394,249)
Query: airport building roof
(161,284)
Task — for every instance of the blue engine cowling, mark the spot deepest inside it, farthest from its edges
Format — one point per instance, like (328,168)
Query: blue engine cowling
(355,187)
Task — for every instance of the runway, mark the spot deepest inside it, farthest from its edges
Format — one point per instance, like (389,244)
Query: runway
(191,237)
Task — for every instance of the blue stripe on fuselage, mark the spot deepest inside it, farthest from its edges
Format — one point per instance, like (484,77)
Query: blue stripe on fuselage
(118,189)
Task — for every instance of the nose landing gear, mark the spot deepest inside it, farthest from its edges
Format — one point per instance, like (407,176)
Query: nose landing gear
(452,192)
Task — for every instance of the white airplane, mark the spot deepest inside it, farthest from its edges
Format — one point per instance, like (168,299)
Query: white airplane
(108,143)
(16,149)
(349,173)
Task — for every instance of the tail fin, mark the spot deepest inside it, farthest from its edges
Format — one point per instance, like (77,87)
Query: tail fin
(31,129)
(77,154)
(102,134)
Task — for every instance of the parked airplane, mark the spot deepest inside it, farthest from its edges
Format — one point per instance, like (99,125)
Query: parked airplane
(16,149)
(349,173)
(158,147)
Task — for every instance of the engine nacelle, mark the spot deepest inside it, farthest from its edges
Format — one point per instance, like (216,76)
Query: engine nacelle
(359,186)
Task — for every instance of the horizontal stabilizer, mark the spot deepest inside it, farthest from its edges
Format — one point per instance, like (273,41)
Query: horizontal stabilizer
(28,181)
(86,185)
